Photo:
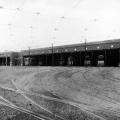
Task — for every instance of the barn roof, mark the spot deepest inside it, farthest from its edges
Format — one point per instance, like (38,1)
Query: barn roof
(8,54)
(99,45)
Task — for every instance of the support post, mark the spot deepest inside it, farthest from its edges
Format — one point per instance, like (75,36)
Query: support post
(52,55)
(22,61)
(46,60)
(85,51)
(119,58)
(29,55)
(105,64)
(92,59)
(80,62)
(11,61)
(6,60)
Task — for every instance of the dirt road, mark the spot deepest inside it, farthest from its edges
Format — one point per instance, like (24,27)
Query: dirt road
(59,93)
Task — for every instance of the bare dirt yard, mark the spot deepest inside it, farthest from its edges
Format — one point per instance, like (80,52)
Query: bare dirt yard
(59,93)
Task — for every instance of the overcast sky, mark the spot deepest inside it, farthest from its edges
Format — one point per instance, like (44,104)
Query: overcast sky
(38,23)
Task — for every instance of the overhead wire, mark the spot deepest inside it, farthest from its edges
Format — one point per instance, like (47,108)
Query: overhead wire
(75,5)
(11,23)
(64,17)
(60,20)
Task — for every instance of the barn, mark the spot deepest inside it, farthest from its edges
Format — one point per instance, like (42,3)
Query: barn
(102,53)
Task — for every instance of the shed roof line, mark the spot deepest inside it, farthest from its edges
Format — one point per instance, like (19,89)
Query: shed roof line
(76,45)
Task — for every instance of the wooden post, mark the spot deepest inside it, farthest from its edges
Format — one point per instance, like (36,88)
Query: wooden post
(29,55)
(46,60)
(119,58)
(105,64)
(92,59)
(79,58)
(85,52)
(52,55)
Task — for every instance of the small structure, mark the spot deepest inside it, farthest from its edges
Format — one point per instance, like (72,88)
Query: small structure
(9,58)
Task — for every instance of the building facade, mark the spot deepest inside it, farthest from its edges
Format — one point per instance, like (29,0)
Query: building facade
(103,53)
(10,59)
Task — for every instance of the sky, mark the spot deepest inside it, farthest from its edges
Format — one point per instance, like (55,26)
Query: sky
(39,23)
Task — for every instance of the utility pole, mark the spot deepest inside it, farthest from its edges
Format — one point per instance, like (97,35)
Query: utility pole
(85,50)
(85,44)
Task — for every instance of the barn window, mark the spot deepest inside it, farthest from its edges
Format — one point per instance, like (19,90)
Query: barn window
(112,46)
(75,49)
(66,50)
(98,47)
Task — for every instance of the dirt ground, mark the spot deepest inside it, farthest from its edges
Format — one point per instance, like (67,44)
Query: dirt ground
(59,93)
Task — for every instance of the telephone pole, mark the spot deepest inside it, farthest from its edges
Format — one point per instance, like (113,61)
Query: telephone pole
(85,50)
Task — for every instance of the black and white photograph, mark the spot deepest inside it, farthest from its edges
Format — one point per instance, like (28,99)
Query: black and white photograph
(59,59)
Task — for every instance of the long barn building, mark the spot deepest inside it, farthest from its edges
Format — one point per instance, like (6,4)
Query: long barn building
(103,53)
